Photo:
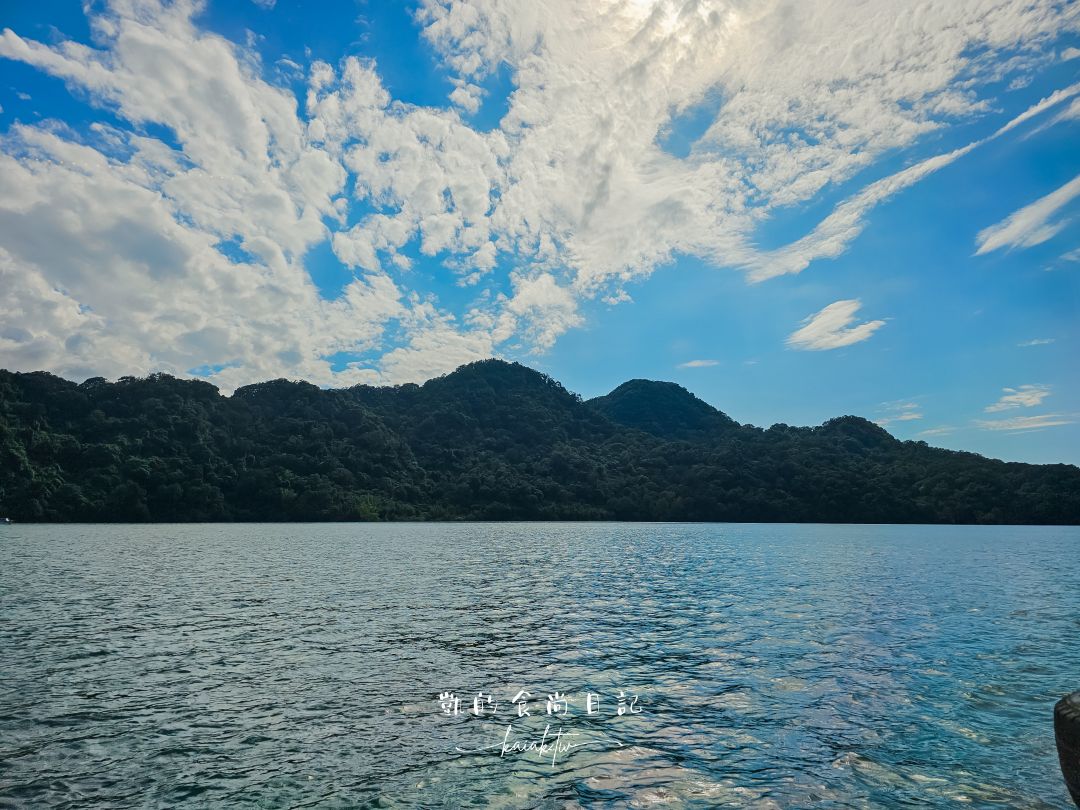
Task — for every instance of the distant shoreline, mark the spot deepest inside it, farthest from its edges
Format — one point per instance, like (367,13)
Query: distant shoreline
(522,523)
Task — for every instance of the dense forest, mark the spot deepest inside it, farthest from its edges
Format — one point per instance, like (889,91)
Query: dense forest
(491,441)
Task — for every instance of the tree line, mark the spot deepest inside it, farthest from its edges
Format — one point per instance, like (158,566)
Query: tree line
(490,441)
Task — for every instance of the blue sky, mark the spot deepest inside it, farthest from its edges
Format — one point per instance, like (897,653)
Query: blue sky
(796,210)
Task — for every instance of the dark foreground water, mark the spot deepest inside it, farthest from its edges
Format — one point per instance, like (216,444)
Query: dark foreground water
(301,665)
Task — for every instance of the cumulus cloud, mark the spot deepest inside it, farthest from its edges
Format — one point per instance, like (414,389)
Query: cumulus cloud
(126,250)
(1025,396)
(1030,225)
(436,346)
(1023,423)
(832,328)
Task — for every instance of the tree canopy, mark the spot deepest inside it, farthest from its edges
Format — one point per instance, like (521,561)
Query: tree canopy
(490,441)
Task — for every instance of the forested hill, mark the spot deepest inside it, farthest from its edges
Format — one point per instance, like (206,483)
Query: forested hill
(492,440)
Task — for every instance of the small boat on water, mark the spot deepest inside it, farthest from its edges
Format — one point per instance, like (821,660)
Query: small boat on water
(1067,732)
(5,521)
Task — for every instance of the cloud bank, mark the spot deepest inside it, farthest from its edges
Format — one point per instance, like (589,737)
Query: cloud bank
(178,231)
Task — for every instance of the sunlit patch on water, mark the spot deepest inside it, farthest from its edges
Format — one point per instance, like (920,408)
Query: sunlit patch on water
(299,665)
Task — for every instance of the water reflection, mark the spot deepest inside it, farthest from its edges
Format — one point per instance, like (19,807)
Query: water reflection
(298,665)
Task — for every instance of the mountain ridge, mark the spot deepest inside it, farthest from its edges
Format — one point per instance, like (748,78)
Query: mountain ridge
(490,440)
(664,409)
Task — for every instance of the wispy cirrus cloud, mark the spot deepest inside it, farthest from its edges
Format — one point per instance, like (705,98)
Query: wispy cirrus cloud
(833,328)
(1024,423)
(1024,396)
(1031,225)
(1036,342)
(941,430)
(832,236)
(899,411)
(698,364)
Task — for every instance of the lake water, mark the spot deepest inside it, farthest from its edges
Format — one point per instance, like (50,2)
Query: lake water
(759,665)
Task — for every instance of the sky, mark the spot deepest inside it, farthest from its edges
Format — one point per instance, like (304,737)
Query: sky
(797,209)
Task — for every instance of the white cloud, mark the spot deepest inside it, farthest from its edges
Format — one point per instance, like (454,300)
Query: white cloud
(1022,423)
(698,364)
(136,253)
(1036,342)
(1052,100)
(832,328)
(1030,225)
(832,235)
(547,308)
(941,430)
(1070,113)
(436,345)
(127,226)
(899,411)
(1024,396)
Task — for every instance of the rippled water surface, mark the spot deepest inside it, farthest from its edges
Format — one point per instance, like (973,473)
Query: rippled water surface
(300,665)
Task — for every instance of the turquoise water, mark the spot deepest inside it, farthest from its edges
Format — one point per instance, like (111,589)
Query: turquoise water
(300,665)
